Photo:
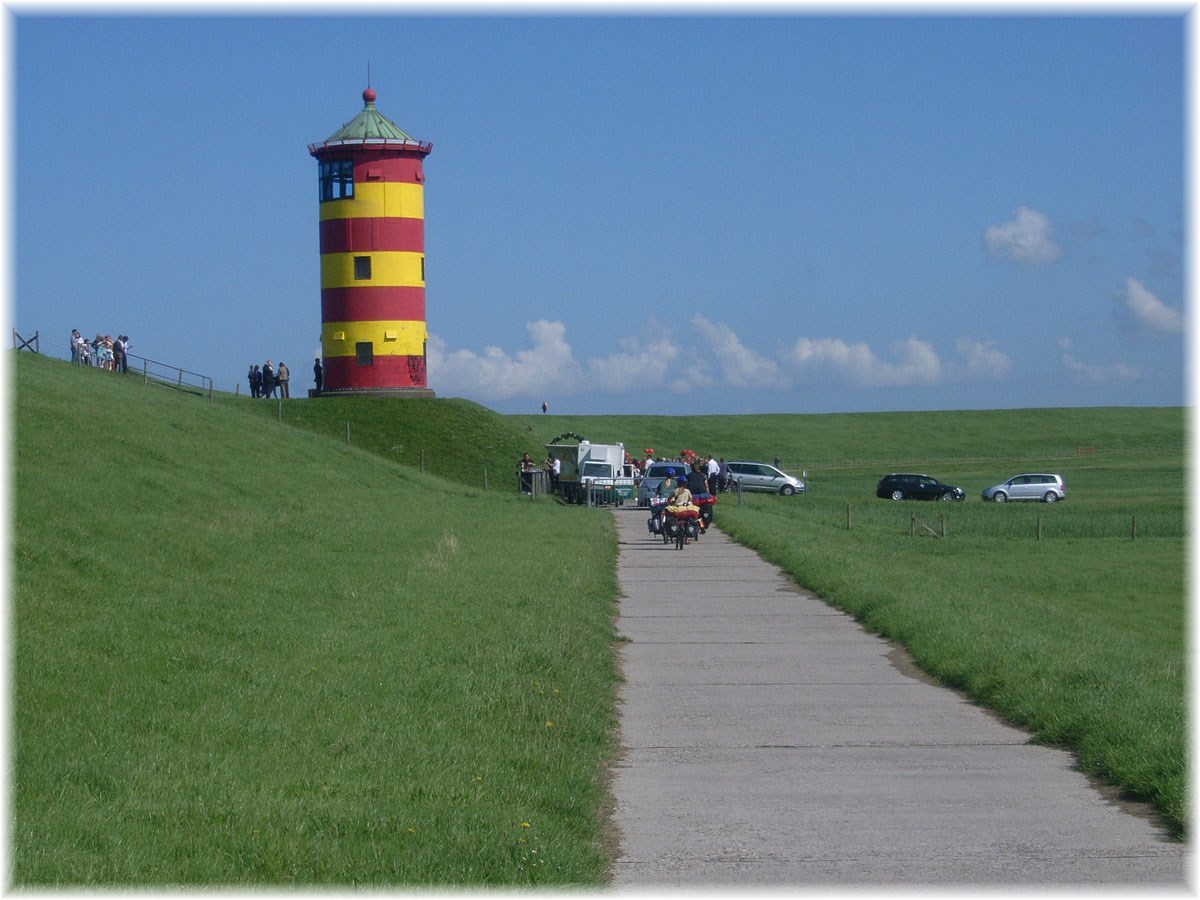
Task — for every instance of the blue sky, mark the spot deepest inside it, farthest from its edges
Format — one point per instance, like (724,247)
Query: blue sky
(783,212)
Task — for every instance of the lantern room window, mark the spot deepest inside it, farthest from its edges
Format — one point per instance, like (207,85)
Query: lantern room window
(337,179)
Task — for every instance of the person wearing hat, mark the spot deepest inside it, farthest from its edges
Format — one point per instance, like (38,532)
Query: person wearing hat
(666,485)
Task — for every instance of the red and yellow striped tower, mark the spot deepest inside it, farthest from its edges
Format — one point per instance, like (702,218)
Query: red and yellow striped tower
(372,214)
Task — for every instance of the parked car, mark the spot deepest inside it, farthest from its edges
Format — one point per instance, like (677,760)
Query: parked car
(654,476)
(907,486)
(1037,486)
(754,476)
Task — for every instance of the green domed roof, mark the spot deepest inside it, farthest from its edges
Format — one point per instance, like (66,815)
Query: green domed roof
(371,126)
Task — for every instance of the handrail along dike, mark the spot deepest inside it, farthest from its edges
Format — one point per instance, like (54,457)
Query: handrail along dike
(174,377)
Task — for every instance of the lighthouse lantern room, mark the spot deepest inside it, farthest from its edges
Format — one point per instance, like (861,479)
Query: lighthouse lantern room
(372,237)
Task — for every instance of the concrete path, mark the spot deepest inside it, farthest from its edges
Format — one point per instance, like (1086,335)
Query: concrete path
(770,741)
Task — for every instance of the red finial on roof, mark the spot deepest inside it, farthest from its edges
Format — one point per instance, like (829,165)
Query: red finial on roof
(369,95)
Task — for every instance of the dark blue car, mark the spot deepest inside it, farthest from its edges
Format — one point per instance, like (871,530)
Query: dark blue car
(905,486)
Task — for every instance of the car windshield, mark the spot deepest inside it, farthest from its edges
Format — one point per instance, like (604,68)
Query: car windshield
(659,470)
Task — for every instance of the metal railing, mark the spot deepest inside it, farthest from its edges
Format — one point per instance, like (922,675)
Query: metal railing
(154,371)
(171,376)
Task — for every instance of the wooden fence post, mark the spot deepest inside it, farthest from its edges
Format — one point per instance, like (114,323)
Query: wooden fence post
(1133,537)
(485,485)
(848,517)
(1039,528)
(347,434)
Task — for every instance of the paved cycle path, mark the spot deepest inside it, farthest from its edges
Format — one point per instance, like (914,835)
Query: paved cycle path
(768,741)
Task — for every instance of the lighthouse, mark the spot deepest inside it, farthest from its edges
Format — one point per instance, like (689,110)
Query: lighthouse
(372,237)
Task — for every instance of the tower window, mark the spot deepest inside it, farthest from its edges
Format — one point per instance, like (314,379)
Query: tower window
(337,179)
(362,268)
(364,353)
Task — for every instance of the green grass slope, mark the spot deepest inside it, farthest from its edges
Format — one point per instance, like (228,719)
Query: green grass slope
(453,438)
(247,655)
(883,439)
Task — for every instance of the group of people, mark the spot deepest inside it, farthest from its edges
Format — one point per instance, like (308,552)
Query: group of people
(269,381)
(272,381)
(103,351)
(703,474)
(681,493)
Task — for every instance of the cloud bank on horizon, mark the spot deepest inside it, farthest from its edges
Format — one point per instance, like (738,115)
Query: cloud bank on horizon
(716,356)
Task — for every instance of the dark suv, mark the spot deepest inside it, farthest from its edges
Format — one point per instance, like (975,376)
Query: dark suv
(904,486)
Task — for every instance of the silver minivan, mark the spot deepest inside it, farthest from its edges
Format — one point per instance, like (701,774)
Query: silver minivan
(1048,488)
(752,476)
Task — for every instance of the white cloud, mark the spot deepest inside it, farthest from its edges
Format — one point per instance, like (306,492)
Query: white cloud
(723,353)
(494,375)
(1092,374)
(915,362)
(635,368)
(1025,239)
(714,357)
(1149,310)
(981,361)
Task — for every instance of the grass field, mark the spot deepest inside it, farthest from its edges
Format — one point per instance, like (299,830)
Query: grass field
(247,656)
(885,442)
(456,439)
(1079,636)
(245,653)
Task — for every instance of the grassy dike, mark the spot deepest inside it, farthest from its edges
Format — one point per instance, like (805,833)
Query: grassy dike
(244,655)
(1079,637)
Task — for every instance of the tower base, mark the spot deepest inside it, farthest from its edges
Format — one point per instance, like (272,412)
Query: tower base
(409,393)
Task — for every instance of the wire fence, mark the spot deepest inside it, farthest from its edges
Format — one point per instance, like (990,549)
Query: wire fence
(912,462)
